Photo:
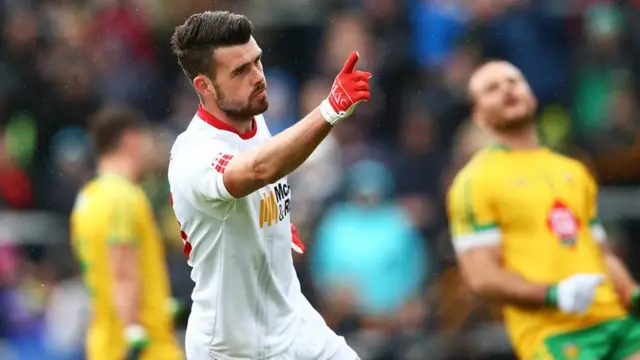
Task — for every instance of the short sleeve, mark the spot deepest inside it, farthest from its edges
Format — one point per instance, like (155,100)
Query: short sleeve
(121,217)
(595,226)
(472,219)
(201,169)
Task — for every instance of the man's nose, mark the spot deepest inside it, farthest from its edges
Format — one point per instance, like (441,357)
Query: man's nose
(258,79)
(257,75)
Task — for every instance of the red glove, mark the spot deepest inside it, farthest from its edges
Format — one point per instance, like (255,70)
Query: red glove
(349,88)
(296,244)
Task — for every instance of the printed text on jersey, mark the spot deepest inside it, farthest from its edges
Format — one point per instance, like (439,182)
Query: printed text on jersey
(275,204)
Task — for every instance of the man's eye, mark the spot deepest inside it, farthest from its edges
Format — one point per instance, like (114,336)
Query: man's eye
(239,72)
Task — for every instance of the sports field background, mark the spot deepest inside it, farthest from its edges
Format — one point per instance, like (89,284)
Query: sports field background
(61,59)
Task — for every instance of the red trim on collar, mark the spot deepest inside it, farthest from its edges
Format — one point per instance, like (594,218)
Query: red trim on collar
(216,123)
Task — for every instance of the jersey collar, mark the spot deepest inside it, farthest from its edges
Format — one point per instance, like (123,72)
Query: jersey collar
(218,124)
(499,146)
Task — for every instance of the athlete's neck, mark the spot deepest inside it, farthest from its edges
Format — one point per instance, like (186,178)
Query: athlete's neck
(519,140)
(241,125)
(118,165)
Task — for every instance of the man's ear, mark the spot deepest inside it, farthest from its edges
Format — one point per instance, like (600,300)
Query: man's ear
(204,85)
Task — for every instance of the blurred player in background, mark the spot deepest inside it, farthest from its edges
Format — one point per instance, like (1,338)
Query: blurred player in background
(119,247)
(230,194)
(526,232)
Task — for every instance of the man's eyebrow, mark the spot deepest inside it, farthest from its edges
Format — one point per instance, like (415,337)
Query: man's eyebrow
(240,67)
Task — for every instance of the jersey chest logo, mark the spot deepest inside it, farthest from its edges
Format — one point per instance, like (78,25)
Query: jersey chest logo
(275,204)
(563,223)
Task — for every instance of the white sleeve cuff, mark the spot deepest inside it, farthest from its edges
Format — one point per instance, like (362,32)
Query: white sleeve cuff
(598,233)
(482,238)
(222,189)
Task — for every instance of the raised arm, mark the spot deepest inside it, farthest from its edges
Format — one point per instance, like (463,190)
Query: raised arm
(285,152)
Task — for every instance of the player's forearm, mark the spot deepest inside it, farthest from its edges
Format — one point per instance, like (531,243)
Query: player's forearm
(624,284)
(127,284)
(286,151)
(483,271)
(127,301)
(506,287)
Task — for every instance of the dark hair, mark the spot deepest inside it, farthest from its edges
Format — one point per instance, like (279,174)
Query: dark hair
(110,123)
(194,41)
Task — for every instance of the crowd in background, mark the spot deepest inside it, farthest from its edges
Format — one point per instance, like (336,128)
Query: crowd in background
(369,203)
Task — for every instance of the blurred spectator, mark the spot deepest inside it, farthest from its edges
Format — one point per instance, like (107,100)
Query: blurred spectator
(438,26)
(67,319)
(71,168)
(25,303)
(545,60)
(420,158)
(15,185)
(446,95)
(372,272)
(602,72)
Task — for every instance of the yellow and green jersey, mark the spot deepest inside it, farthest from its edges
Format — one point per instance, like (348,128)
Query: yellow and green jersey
(540,207)
(112,210)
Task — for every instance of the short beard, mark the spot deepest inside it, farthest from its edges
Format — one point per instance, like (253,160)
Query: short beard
(515,126)
(245,113)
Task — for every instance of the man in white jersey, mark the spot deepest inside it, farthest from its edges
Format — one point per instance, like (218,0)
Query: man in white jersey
(230,194)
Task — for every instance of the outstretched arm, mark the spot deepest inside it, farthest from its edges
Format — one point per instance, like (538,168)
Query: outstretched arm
(285,152)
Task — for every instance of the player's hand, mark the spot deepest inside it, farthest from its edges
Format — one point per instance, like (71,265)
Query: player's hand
(296,244)
(174,306)
(575,293)
(137,341)
(349,88)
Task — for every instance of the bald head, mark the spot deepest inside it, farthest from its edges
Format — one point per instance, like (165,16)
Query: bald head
(488,72)
(501,96)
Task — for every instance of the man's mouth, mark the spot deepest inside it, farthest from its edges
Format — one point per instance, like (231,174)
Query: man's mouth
(511,101)
(260,92)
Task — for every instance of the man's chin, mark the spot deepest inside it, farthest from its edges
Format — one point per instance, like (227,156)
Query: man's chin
(249,112)
(262,106)
(514,124)
(258,107)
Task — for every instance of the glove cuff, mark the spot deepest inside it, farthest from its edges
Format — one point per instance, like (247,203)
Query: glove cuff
(328,113)
(136,335)
(551,299)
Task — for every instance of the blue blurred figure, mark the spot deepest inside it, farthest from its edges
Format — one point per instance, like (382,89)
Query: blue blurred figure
(368,247)
(437,29)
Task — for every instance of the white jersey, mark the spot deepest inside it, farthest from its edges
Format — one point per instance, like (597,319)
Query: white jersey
(246,300)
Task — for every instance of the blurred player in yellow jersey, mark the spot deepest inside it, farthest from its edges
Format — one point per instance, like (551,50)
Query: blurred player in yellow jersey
(525,230)
(115,237)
